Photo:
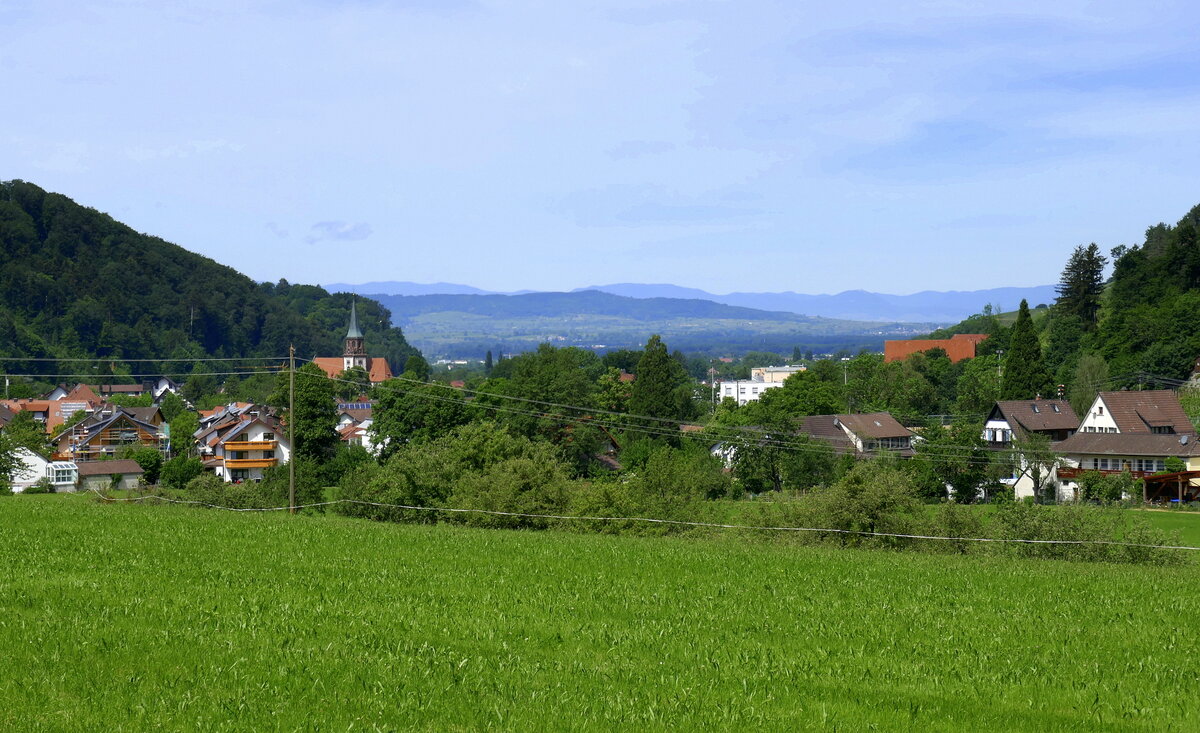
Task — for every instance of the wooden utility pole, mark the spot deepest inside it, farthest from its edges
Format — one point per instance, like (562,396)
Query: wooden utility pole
(291,429)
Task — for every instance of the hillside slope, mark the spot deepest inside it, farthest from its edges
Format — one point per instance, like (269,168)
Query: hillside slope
(76,283)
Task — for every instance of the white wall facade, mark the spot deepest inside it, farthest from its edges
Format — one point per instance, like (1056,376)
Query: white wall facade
(1098,419)
(745,390)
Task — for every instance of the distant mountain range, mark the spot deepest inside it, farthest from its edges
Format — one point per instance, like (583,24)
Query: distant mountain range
(470,324)
(856,305)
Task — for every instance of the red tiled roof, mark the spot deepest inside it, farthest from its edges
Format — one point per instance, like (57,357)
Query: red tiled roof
(1137,412)
(1046,417)
(378,368)
(958,347)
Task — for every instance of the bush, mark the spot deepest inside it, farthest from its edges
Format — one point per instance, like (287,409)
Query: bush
(530,484)
(179,471)
(872,497)
(41,486)
(209,489)
(427,474)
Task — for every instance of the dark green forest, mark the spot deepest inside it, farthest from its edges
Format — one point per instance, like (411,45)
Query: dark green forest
(75,283)
(1142,323)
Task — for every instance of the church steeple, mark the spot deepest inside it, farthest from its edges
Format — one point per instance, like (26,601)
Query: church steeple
(353,332)
(355,353)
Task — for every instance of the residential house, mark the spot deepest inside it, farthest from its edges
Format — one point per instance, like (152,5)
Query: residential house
(33,468)
(1016,420)
(1135,431)
(865,434)
(958,347)
(106,431)
(354,354)
(6,415)
(242,443)
(100,475)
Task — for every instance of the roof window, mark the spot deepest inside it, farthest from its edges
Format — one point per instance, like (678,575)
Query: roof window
(1035,408)
(1056,408)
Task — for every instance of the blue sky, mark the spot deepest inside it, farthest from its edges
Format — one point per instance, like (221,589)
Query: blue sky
(752,146)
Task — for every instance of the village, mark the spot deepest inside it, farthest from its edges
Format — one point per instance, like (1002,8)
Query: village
(1143,434)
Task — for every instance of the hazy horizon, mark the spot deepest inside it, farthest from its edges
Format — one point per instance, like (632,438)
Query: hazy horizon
(748,147)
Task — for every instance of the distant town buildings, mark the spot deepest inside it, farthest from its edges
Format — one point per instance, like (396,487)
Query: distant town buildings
(958,347)
(355,355)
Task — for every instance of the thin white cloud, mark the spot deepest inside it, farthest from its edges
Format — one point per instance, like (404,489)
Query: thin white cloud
(340,231)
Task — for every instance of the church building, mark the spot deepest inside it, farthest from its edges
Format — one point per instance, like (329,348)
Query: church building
(355,355)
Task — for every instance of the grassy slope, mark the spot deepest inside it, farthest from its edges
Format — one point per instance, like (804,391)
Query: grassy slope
(132,617)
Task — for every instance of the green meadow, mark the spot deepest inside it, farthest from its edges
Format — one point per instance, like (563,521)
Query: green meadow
(131,617)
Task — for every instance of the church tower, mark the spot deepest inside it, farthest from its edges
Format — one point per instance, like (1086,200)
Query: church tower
(355,353)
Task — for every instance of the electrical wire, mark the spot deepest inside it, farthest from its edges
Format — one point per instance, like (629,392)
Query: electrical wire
(648,520)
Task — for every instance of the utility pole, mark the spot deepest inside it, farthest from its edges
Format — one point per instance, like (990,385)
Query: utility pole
(292,429)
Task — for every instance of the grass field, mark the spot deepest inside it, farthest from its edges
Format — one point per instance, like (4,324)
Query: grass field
(127,617)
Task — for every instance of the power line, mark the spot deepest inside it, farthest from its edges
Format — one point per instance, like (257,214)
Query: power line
(120,360)
(712,434)
(651,520)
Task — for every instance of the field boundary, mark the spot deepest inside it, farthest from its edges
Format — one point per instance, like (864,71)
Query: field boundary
(647,520)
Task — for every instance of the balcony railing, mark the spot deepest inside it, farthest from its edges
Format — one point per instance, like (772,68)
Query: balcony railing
(249,445)
(1067,472)
(250,462)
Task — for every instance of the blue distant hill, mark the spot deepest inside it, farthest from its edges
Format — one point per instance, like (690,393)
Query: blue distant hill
(855,305)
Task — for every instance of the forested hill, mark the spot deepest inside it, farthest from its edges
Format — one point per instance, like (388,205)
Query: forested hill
(1141,322)
(76,283)
(590,302)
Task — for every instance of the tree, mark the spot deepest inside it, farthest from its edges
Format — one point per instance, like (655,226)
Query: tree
(171,405)
(177,472)
(316,412)
(1091,374)
(658,376)
(978,386)
(416,368)
(151,462)
(612,392)
(1024,374)
(182,430)
(415,413)
(1033,457)
(352,383)
(487,364)
(1082,284)
(954,458)
(11,466)
(26,432)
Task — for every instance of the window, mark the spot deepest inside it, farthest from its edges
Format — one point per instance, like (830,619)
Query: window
(1035,408)
(268,436)
(1103,464)
(268,454)
(1056,408)
(1100,410)
(1163,430)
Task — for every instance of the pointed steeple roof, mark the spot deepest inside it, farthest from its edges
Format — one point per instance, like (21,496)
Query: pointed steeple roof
(353,332)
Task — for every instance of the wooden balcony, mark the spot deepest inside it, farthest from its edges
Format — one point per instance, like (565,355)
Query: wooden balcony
(250,462)
(249,445)
(1074,473)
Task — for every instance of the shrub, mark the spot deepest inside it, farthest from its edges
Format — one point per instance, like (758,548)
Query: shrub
(426,475)
(872,497)
(41,486)
(530,484)
(179,471)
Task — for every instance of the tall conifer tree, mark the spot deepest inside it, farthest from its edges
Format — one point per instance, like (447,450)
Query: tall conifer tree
(1082,284)
(1024,373)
